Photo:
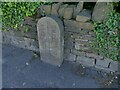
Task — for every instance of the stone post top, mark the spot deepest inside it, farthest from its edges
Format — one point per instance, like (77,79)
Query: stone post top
(54,19)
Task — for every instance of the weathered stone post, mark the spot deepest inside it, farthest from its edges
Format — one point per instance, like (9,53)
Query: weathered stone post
(51,40)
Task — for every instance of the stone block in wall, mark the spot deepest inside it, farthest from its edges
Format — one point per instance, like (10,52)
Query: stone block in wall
(68,44)
(70,39)
(77,46)
(18,33)
(24,42)
(90,50)
(77,30)
(68,14)
(103,63)
(84,16)
(47,9)
(70,57)
(55,8)
(77,36)
(39,12)
(62,10)
(93,55)
(29,24)
(86,61)
(86,25)
(92,33)
(72,26)
(31,33)
(88,37)
(12,37)
(74,9)
(79,53)
(29,21)
(114,66)
(69,23)
(83,32)
(28,41)
(82,41)
(82,44)
(68,35)
(19,42)
(33,44)
(66,51)
(78,8)
(82,48)
(43,10)
(101,10)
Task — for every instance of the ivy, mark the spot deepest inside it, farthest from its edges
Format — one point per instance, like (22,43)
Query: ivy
(107,37)
(13,13)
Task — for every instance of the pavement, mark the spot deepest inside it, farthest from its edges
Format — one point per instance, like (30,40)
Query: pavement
(22,68)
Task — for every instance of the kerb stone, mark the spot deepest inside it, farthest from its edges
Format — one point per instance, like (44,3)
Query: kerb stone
(103,63)
(86,61)
(114,66)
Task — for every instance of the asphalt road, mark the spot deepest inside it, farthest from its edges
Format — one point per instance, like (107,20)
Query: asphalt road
(21,69)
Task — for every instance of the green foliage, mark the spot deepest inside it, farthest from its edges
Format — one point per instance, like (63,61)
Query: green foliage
(14,12)
(116,6)
(107,36)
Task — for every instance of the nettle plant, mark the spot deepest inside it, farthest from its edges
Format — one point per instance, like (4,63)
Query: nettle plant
(13,13)
(107,38)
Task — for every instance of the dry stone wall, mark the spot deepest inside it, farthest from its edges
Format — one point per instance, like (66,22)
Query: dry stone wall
(21,38)
(78,33)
